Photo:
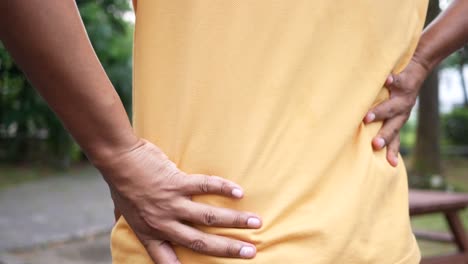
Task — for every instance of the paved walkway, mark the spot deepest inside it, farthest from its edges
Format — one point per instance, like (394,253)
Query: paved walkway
(54,209)
(90,250)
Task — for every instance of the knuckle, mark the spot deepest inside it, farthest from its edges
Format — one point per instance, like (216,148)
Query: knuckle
(239,220)
(391,110)
(172,182)
(158,225)
(224,187)
(197,245)
(168,168)
(232,250)
(204,185)
(178,205)
(397,80)
(220,184)
(209,218)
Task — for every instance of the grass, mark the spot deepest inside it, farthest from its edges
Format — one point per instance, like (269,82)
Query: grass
(456,171)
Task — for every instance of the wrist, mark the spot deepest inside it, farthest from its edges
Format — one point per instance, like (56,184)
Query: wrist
(103,153)
(425,56)
(419,67)
(131,169)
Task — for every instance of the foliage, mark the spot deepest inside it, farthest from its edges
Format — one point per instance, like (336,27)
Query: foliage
(28,128)
(407,137)
(112,39)
(456,58)
(456,126)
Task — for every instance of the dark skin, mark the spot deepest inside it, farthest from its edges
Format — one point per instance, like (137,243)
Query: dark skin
(446,34)
(48,41)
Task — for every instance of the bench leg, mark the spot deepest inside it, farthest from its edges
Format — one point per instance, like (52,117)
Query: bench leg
(459,237)
(458,231)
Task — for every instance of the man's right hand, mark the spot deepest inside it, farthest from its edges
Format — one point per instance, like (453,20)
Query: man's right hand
(154,196)
(148,189)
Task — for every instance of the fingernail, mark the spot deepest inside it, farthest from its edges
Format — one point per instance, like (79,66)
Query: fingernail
(237,193)
(390,79)
(247,252)
(253,222)
(395,161)
(370,117)
(380,142)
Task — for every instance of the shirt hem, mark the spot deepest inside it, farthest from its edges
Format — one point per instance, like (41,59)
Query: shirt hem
(414,257)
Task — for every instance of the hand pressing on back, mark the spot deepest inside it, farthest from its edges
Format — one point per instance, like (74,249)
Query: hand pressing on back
(444,35)
(395,111)
(154,196)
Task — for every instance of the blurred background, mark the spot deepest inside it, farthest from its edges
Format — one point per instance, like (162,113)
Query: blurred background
(54,208)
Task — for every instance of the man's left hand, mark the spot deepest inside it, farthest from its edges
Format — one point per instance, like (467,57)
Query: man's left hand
(395,111)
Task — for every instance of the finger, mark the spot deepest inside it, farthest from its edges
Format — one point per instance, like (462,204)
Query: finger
(388,132)
(385,110)
(389,80)
(392,151)
(194,184)
(161,252)
(207,215)
(208,244)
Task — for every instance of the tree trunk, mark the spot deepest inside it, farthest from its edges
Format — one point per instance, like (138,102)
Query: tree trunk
(426,158)
(461,65)
(463,84)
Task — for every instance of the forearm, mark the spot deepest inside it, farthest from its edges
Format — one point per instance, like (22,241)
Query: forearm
(446,34)
(48,41)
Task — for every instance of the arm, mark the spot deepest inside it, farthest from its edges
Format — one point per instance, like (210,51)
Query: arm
(48,41)
(446,34)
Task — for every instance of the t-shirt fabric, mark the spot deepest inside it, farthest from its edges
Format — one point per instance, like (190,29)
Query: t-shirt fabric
(271,95)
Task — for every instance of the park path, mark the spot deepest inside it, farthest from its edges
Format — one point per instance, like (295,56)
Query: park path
(55,209)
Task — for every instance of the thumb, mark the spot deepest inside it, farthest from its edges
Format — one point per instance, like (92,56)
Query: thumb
(161,252)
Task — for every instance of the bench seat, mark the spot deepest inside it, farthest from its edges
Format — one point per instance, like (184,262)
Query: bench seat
(449,204)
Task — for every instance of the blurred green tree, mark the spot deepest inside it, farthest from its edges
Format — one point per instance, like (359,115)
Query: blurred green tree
(456,126)
(29,130)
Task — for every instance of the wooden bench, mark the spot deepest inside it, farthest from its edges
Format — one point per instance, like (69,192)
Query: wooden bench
(450,205)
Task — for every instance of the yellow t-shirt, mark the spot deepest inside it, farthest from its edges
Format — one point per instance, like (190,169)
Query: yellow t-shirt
(271,94)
